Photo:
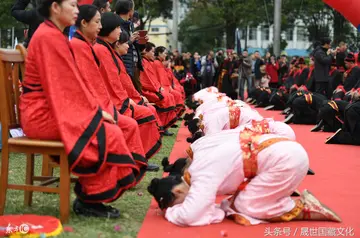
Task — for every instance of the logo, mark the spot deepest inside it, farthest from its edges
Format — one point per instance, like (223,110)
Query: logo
(24,228)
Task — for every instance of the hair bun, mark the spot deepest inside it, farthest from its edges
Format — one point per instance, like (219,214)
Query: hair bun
(153,186)
(165,161)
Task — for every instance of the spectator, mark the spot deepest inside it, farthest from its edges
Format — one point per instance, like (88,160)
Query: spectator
(272,68)
(132,60)
(283,68)
(27,16)
(208,65)
(102,5)
(323,56)
(195,69)
(340,56)
(245,74)
(257,72)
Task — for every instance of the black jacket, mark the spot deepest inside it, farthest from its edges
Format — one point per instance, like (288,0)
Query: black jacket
(322,65)
(129,57)
(28,17)
(352,79)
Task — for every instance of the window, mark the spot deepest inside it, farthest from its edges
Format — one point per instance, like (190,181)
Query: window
(290,34)
(265,33)
(252,34)
(302,34)
(155,29)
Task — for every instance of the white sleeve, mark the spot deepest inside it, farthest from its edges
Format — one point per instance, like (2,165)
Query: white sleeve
(199,207)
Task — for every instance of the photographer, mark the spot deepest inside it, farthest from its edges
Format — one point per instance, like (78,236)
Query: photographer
(208,65)
(132,60)
(323,57)
(245,72)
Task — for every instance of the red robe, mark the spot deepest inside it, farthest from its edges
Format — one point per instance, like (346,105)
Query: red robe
(85,58)
(57,105)
(176,85)
(134,94)
(164,101)
(110,70)
(163,78)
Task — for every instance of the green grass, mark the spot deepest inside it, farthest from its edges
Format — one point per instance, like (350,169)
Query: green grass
(132,206)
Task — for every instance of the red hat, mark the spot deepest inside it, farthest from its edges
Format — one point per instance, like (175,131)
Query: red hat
(350,58)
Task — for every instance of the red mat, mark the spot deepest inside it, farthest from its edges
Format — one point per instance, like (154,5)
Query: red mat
(336,184)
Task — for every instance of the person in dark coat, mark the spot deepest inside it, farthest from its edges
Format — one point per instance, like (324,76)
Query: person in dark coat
(322,65)
(349,134)
(27,16)
(132,60)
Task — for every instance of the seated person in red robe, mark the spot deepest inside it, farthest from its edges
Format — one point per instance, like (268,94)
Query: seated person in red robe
(151,88)
(110,71)
(162,76)
(121,48)
(56,104)
(174,81)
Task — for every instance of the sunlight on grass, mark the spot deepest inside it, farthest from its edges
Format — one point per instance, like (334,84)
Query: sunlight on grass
(133,205)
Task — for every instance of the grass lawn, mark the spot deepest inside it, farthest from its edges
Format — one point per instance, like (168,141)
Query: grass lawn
(132,205)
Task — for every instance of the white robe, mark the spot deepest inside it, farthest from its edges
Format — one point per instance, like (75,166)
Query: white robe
(217,169)
(198,95)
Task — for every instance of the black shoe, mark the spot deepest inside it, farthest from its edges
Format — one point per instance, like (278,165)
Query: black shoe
(174,126)
(332,139)
(152,168)
(318,127)
(295,194)
(269,107)
(168,133)
(289,119)
(310,172)
(95,210)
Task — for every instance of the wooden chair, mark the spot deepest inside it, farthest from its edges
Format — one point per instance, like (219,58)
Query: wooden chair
(11,62)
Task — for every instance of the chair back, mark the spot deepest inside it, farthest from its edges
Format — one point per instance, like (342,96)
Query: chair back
(12,64)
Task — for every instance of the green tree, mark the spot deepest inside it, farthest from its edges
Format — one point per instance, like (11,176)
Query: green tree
(151,9)
(6,20)
(201,30)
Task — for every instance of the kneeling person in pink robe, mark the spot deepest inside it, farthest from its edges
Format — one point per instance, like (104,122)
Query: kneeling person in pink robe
(224,163)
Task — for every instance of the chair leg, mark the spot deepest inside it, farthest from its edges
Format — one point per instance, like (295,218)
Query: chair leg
(4,178)
(29,178)
(64,188)
(45,171)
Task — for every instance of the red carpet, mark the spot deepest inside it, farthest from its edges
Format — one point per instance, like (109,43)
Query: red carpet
(335,183)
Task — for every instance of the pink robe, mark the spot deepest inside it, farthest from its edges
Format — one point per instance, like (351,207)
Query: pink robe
(217,169)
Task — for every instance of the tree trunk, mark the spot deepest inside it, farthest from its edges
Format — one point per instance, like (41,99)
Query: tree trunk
(230,34)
